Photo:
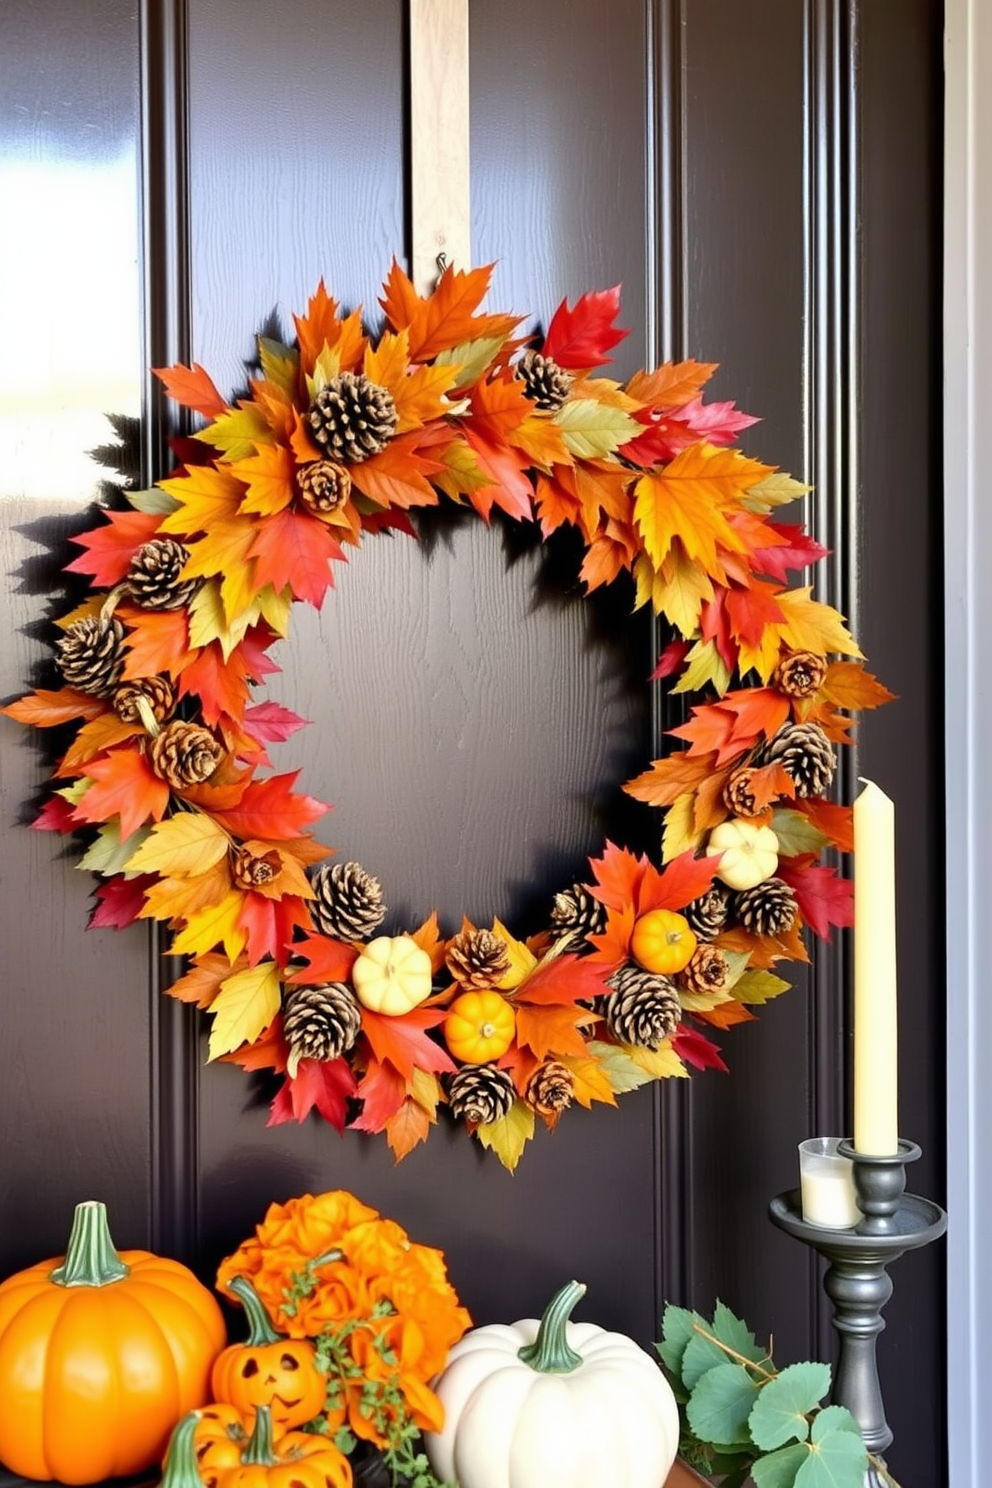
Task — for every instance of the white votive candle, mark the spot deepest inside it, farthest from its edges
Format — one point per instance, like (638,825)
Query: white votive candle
(827,1185)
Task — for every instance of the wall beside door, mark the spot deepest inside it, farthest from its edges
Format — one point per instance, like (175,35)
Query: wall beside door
(763,180)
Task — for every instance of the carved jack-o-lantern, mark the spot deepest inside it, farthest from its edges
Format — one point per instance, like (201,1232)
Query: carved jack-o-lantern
(268,1369)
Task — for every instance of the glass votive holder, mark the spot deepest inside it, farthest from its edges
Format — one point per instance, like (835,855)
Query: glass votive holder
(827,1185)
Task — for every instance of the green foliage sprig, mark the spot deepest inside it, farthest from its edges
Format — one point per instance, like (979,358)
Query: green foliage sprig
(744,1420)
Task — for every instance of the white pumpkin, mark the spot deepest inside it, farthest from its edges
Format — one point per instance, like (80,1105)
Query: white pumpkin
(553,1404)
(392,975)
(748,852)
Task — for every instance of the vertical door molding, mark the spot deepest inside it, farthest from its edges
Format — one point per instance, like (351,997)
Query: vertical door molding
(167,325)
(968,700)
(665,304)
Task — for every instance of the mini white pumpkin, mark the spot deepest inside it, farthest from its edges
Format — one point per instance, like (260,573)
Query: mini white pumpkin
(392,975)
(553,1404)
(749,852)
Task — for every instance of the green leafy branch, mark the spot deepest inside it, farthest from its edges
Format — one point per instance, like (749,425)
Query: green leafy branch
(745,1420)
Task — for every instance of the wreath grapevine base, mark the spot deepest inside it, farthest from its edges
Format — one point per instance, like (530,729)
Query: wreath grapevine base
(168,772)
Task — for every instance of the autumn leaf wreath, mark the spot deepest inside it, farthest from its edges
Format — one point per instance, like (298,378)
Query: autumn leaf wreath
(168,774)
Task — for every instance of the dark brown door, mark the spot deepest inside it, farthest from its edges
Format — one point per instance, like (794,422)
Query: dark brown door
(762,178)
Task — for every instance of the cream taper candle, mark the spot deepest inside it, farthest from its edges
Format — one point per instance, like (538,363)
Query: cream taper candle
(876,1119)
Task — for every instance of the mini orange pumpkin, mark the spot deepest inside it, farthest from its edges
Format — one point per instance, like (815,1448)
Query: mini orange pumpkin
(663,941)
(99,1355)
(479,1027)
(211,1448)
(268,1368)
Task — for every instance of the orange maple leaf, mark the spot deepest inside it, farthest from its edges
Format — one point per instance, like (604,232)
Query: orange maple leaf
(407,1128)
(835,822)
(557,501)
(328,960)
(399,300)
(93,738)
(848,685)
(156,641)
(499,405)
(398,476)
(193,388)
(613,945)
(429,938)
(591,1081)
(269,477)
(320,326)
(45,708)
(295,549)
(687,500)
(447,317)
(403,1042)
(671,385)
(203,980)
(665,780)
(725,1015)
(547,1030)
(110,547)
(176,899)
(206,495)
(509,487)
(124,785)
(269,1051)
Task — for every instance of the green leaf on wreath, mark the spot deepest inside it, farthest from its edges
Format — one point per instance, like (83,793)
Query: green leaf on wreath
(837,1455)
(108,854)
(678,1327)
(756,987)
(704,1353)
(618,1067)
(153,503)
(780,1412)
(472,358)
(720,1405)
(508,1136)
(779,1469)
(592,429)
(796,833)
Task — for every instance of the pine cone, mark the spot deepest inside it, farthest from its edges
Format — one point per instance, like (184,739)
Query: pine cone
(806,754)
(477,958)
(349,901)
(184,754)
(91,655)
(252,871)
(767,909)
(153,579)
(708,970)
(324,486)
(157,692)
(544,381)
(707,915)
(799,674)
(320,1022)
(577,914)
(551,1088)
(738,794)
(352,418)
(643,1009)
(480,1093)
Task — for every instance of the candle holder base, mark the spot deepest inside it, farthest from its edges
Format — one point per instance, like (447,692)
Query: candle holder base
(856,1279)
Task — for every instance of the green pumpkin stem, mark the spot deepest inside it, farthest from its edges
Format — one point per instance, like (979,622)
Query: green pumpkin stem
(550,1352)
(90,1259)
(258,1452)
(261,1329)
(180,1462)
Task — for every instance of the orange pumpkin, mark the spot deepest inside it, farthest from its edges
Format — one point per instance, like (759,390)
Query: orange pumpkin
(268,1368)
(100,1354)
(662,941)
(211,1448)
(479,1027)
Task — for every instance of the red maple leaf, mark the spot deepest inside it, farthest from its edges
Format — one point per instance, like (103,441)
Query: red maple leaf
(835,822)
(797,551)
(718,423)
(618,876)
(563,980)
(269,925)
(403,1042)
(326,1085)
(270,809)
(269,1051)
(124,785)
(57,815)
(110,547)
(270,723)
(509,488)
(671,660)
(824,898)
(293,548)
(581,337)
(221,686)
(696,1049)
(683,879)
(120,901)
(751,609)
(382,1092)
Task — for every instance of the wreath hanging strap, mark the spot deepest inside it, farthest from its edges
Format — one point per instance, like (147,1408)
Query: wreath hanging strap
(168,775)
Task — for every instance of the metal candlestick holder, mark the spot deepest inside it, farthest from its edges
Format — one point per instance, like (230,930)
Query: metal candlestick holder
(856,1280)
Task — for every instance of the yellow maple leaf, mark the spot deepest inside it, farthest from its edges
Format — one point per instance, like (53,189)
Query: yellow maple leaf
(269,476)
(682,590)
(425,1088)
(763,657)
(206,496)
(388,362)
(422,396)
(592,428)
(462,474)
(592,1083)
(508,1136)
(214,926)
(325,368)
(661,1063)
(776,489)
(812,626)
(236,432)
(704,667)
(470,359)
(179,898)
(522,959)
(224,551)
(541,440)
(680,834)
(182,846)
(279,363)
(687,500)
(244,1007)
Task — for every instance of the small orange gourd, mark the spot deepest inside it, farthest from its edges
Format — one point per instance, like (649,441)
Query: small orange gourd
(662,941)
(100,1354)
(268,1368)
(212,1448)
(479,1027)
